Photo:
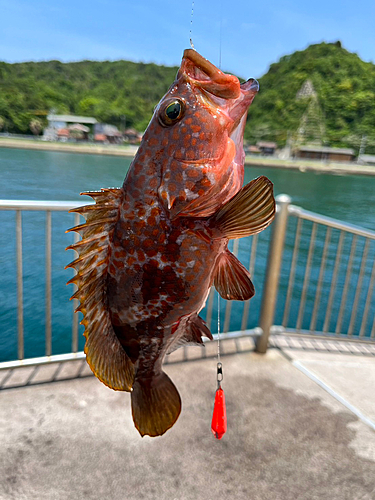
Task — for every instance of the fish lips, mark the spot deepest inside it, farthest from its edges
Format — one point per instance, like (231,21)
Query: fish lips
(237,111)
(223,90)
(208,77)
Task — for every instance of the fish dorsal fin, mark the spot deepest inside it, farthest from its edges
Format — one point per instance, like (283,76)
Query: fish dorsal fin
(232,279)
(250,211)
(195,329)
(104,353)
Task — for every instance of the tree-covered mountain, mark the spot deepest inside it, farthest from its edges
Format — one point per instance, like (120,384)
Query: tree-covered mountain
(345,97)
(341,107)
(112,92)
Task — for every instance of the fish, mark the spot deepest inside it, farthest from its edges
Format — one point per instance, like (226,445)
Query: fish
(151,250)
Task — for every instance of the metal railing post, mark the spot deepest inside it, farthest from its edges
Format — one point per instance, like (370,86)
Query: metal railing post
(275,252)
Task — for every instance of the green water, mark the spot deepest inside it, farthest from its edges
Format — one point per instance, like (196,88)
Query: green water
(40,175)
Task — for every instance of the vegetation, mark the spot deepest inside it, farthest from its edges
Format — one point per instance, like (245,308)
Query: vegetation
(124,93)
(345,88)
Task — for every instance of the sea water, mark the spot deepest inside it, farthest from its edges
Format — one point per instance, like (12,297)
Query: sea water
(41,175)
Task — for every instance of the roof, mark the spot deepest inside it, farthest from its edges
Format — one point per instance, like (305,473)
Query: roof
(367,158)
(111,130)
(71,119)
(79,126)
(131,131)
(326,149)
(63,132)
(264,144)
(100,137)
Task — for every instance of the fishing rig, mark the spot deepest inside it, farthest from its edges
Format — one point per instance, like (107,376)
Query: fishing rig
(219,416)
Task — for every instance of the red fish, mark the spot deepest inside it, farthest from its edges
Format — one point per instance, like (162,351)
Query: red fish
(151,250)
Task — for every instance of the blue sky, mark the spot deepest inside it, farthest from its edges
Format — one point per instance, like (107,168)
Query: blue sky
(253,34)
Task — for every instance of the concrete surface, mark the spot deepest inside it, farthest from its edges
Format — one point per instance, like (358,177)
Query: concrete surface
(287,437)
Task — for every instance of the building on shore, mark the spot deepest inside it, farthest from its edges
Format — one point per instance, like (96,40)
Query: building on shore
(132,136)
(252,150)
(107,134)
(366,160)
(324,153)
(267,148)
(78,125)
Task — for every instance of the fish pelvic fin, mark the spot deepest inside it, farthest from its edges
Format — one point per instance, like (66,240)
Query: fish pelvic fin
(195,329)
(104,353)
(250,211)
(156,404)
(232,279)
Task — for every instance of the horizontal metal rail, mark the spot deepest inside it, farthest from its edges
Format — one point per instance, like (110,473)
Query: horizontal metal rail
(57,206)
(330,222)
(314,282)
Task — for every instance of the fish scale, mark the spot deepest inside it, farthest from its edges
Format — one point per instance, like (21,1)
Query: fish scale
(151,250)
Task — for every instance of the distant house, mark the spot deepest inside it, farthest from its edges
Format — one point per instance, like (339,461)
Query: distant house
(131,135)
(78,131)
(252,150)
(63,134)
(366,159)
(325,153)
(107,133)
(267,148)
(63,122)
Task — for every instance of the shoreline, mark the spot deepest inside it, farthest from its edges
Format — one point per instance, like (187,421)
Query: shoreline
(130,150)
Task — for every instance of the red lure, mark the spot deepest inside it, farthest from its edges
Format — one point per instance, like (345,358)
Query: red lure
(219,417)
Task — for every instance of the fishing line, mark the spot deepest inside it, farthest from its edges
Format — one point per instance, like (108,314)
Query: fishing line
(218,328)
(221,31)
(191,25)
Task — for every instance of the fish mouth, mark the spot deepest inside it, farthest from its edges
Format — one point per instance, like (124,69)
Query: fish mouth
(238,113)
(206,75)
(224,89)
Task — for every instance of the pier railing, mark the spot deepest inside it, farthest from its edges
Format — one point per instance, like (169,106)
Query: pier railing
(314,275)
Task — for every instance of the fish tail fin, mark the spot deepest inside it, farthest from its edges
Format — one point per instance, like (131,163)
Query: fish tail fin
(104,353)
(250,211)
(156,404)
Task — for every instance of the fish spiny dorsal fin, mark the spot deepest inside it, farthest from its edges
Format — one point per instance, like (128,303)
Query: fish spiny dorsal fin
(104,353)
(250,211)
(232,279)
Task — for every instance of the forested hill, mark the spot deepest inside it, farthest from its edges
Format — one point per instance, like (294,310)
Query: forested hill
(105,90)
(339,110)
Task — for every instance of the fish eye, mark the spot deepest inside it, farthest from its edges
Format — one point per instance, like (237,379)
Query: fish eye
(172,113)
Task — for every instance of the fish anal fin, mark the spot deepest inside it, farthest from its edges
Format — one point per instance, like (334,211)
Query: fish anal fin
(106,357)
(199,328)
(232,279)
(104,353)
(250,211)
(195,329)
(156,405)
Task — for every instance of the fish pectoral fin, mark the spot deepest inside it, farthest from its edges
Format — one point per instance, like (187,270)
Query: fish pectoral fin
(232,279)
(195,329)
(250,211)
(156,405)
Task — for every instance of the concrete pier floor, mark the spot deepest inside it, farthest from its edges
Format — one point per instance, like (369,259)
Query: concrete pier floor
(288,437)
